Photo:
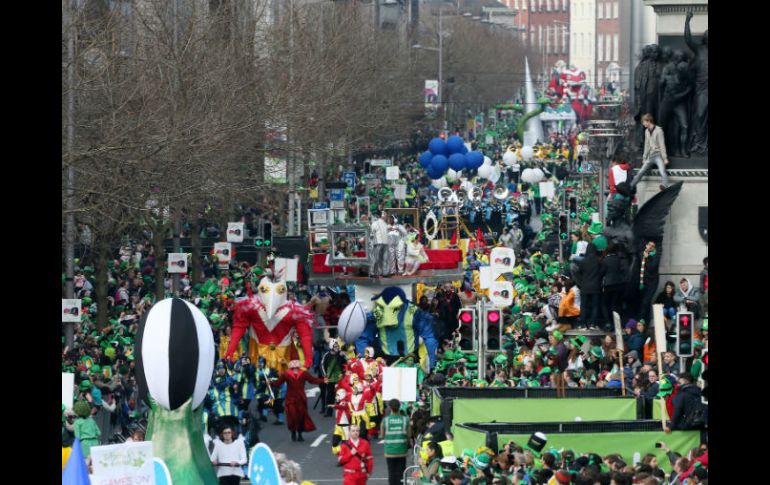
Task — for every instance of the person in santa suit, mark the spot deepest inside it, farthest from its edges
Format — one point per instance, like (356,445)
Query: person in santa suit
(373,401)
(295,403)
(341,419)
(358,403)
(356,458)
(362,366)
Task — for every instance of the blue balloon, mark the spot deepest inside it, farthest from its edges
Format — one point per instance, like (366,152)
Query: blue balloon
(435,173)
(437,146)
(464,150)
(425,159)
(439,162)
(475,159)
(455,144)
(457,161)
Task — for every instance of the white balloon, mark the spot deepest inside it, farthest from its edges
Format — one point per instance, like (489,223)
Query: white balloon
(487,161)
(439,183)
(539,175)
(509,158)
(485,171)
(527,175)
(467,185)
(453,175)
(352,322)
(527,153)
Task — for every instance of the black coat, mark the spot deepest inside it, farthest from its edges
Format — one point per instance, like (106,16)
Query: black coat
(589,272)
(616,269)
(687,398)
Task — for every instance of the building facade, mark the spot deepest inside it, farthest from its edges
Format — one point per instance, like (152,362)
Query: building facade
(582,24)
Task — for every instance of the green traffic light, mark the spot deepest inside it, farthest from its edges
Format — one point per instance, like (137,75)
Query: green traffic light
(267,242)
(258,242)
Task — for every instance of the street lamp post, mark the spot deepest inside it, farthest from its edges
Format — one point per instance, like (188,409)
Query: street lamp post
(440,50)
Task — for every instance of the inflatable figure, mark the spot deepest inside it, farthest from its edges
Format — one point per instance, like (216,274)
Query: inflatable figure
(272,323)
(395,327)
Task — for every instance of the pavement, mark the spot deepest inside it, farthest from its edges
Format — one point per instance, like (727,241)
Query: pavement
(314,455)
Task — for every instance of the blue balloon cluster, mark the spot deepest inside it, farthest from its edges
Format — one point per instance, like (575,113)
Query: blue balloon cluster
(453,153)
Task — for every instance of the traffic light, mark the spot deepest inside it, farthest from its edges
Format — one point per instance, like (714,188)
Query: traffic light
(563,227)
(467,319)
(684,335)
(259,242)
(493,323)
(267,232)
(573,206)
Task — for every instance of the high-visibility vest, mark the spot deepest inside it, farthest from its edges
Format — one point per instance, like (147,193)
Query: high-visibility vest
(396,442)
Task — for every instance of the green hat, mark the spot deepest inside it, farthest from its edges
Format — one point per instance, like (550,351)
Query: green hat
(449,356)
(597,352)
(578,341)
(557,335)
(86,300)
(543,371)
(584,217)
(467,453)
(110,352)
(84,385)
(82,408)
(458,377)
(501,359)
(439,366)
(88,269)
(596,228)
(481,461)
(665,388)
(698,343)
(600,242)
(95,369)
(705,324)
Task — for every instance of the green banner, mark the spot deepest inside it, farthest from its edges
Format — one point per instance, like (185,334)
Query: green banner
(632,446)
(543,410)
(628,444)
(656,412)
(435,404)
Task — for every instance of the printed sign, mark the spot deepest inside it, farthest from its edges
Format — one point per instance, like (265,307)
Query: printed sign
(489,140)
(399,191)
(286,270)
(235,232)
(127,463)
(399,383)
(177,263)
(67,387)
(430,94)
(349,178)
(501,260)
(71,310)
(547,190)
(485,277)
(162,475)
(223,252)
(320,205)
(263,469)
(501,293)
(337,198)
(391,173)
(381,162)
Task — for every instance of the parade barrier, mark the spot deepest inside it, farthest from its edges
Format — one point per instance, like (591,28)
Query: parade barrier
(506,404)
(437,259)
(631,439)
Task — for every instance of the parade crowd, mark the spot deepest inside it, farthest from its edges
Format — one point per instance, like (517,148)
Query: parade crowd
(551,298)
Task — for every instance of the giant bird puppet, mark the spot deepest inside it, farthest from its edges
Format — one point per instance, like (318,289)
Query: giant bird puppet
(272,323)
(395,326)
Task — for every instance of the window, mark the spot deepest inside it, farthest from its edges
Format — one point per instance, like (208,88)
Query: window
(540,6)
(600,73)
(600,54)
(547,5)
(574,43)
(608,39)
(548,39)
(615,9)
(539,35)
(564,5)
(600,11)
(616,42)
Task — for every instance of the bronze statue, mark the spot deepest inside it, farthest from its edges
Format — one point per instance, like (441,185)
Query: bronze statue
(700,115)
(675,89)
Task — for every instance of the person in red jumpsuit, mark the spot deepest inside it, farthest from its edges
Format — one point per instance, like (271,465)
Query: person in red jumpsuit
(295,403)
(356,458)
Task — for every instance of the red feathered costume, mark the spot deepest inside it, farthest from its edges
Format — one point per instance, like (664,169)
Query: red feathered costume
(273,331)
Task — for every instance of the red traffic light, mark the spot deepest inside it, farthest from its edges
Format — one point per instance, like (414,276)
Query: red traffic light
(466,317)
(685,320)
(493,317)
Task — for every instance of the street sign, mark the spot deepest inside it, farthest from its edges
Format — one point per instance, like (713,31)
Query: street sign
(337,198)
(381,162)
(349,178)
(320,205)
(235,232)
(263,469)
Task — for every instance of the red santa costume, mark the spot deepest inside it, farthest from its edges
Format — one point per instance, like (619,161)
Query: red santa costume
(357,461)
(272,323)
(297,418)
